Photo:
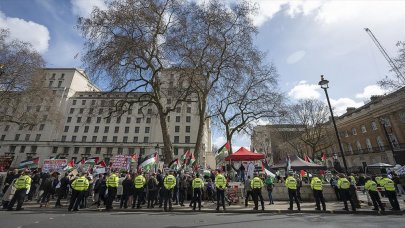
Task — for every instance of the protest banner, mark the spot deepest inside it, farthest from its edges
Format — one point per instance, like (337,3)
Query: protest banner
(54,165)
(121,162)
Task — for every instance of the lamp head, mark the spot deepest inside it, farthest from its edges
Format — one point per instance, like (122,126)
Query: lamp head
(323,83)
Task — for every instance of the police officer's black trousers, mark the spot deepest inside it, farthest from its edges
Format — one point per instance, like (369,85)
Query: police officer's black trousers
(292,195)
(375,198)
(220,197)
(112,193)
(345,194)
(151,198)
(18,197)
(354,196)
(75,200)
(182,195)
(138,194)
(318,195)
(248,194)
(168,198)
(392,197)
(197,198)
(257,194)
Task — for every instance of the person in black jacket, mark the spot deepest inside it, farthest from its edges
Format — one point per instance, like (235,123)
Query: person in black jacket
(152,187)
(63,189)
(34,185)
(161,189)
(127,186)
(47,187)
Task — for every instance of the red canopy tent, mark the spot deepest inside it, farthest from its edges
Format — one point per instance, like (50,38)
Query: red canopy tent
(244,155)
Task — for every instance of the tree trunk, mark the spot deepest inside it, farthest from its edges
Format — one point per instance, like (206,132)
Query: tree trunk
(200,132)
(167,144)
(229,139)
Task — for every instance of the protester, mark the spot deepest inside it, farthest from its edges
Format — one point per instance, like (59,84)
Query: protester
(269,187)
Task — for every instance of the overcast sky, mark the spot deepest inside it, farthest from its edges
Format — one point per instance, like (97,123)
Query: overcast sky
(303,38)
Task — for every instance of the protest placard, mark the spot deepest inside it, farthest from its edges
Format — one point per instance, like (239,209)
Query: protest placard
(120,162)
(54,165)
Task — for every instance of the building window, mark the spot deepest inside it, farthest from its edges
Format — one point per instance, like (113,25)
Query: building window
(402,116)
(358,145)
(12,149)
(128,120)
(169,101)
(176,139)
(125,139)
(59,84)
(130,112)
(104,138)
(354,132)
(188,119)
(20,127)
(131,151)
(187,139)
(138,120)
(81,111)
(149,111)
(22,149)
(178,109)
(188,109)
(115,138)
(62,76)
(66,129)
(98,150)
(55,150)
(168,118)
(50,83)
(88,120)
(374,126)
(178,119)
(3,137)
(119,150)
(83,102)
(176,150)
(98,120)
(76,150)
(74,138)
(108,120)
(136,129)
(66,150)
(87,150)
(135,139)
(142,151)
(147,129)
(118,120)
(86,129)
(69,119)
(7,127)
(106,129)
(349,146)
(41,127)
(140,111)
(100,111)
(363,129)
(53,76)
(94,139)
(116,129)
(63,138)
(147,120)
(76,129)
(176,128)
(93,102)
(109,150)
(79,119)
(96,128)
(188,128)
(145,139)
(72,110)
(369,146)
(126,129)
(17,137)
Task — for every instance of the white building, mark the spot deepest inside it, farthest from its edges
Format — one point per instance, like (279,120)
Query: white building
(84,131)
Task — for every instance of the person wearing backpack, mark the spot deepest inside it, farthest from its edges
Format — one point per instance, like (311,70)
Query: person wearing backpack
(269,187)
(152,187)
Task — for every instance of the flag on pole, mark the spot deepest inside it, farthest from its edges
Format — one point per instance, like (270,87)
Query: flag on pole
(174,164)
(323,157)
(148,162)
(29,163)
(308,159)
(185,157)
(288,163)
(225,148)
(92,161)
(101,164)
(70,166)
(266,169)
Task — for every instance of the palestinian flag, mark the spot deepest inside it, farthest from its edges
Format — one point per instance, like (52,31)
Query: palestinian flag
(192,160)
(148,162)
(70,165)
(30,163)
(101,164)
(323,157)
(307,159)
(174,164)
(225,148)
(80,162)
(266,169)
(185,157)
(92,161)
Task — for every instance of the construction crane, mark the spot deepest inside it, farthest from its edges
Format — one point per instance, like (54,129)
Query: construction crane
(384,53)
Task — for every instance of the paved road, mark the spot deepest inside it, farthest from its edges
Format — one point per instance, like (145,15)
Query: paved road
(59,219)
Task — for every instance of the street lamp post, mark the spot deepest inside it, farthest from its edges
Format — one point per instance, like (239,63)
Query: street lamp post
(324,85)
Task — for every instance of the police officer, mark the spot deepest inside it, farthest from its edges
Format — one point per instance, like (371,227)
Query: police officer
(371,187)
(79,186)
(257,184)
(291,185)
(317,186)
(197,185)
(22,186)
(112,184)
(220,185)
(390,192)
(168,183)
(139,183)
(344,187)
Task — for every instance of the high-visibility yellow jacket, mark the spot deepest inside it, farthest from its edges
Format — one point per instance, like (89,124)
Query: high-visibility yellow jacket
(343,183)
(220,181)
(169,182)
(388,184)
(80,184)
(316,183)
(371,186)
(112,181)
(256,183)
(291,183)
(198,183)
(139,181)
(23,182)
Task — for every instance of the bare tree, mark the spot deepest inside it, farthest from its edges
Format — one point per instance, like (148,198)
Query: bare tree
(238,103)
(310,117)
(24,99)
(128,47)
(398,80)
(216,41)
